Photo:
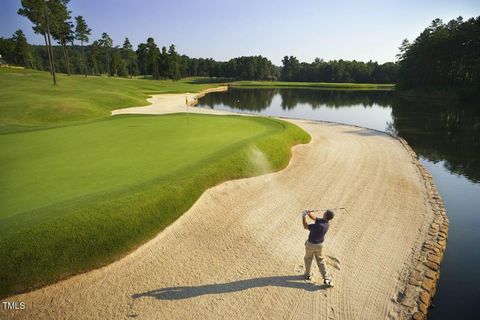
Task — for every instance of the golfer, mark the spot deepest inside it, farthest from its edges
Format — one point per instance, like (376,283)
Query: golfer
(314,244)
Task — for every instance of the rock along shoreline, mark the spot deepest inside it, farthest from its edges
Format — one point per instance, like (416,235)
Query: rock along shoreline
(423,279)
(424,269)
(424,276)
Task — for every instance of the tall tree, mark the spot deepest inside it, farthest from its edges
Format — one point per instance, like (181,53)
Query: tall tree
(61,27)
(64,35)
(81,34)
(129,56)
(7,50)
(290,68)
(22,52)
(153,54)
(106,43)
(93,56)
(118,64)
(173,64)
(404,47)
(443,56)
(163,63)
(142,54)
(39,12)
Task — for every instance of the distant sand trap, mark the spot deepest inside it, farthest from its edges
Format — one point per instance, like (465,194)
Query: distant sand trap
(238,252)
(173,103)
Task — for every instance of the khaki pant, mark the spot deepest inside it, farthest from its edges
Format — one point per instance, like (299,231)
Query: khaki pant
(312,250)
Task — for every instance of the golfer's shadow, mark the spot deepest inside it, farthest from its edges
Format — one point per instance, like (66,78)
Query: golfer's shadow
(178,293)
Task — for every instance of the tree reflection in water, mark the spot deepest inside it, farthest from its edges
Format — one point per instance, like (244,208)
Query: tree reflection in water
(441,131)
(436,130)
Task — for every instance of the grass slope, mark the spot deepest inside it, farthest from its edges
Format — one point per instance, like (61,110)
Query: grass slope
(319,85)
(28,99)
(78,197)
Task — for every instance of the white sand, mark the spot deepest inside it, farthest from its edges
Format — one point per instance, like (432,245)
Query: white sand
(238,252)
(172,103)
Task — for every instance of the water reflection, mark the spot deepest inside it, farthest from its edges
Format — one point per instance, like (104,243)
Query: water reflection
(333,98)
(436,130)
(261,99)
(446,136)
(255,100)
(441,132)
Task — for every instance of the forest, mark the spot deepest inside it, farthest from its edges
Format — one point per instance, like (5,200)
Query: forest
(442,56)
(150,61)
(74,53)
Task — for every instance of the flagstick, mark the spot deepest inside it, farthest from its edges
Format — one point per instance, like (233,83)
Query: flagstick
(186,105)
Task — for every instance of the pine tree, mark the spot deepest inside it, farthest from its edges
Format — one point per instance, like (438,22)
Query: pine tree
(61,27)
(39,13)
(94,53)
(22,52)
(106,42)
(129,56)
(81,34)
(142,54)
(153,54)
(173,64)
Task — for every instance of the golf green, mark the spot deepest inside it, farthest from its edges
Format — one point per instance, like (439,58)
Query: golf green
(77,197)
(44,167)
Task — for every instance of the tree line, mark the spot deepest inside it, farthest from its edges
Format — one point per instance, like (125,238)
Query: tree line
(151,61)
(338,71)
(102,57)
(442,56)
(53,21)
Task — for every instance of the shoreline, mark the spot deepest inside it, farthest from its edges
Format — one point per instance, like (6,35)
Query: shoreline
(423,279)
(202,93)
(172,103)
(419,274)
(420,286)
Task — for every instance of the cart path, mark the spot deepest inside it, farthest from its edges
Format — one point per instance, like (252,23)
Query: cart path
(238,252)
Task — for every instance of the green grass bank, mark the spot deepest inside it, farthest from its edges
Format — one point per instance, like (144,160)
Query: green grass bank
(317,85)
(28,99)
(81,189)
(77,197)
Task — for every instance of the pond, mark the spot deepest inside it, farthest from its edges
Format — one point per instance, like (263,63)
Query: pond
(446,137)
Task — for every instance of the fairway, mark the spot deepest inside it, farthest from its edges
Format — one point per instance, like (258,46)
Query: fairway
(29,100)
(81,196)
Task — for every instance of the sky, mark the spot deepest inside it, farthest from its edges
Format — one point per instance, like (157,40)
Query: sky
(223,29)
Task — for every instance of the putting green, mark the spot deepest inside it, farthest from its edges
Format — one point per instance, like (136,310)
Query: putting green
(44,167)
(78,197)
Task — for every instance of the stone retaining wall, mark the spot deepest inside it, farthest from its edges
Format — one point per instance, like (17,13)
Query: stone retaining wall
(422,281)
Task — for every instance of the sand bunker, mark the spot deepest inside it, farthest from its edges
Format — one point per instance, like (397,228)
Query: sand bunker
(173,103)
(238,252)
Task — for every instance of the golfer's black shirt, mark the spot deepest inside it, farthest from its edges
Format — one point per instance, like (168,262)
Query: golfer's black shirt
(317,231)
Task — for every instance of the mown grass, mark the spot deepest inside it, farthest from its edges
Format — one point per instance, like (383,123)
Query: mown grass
(78,197)
(81,189)
(28,99)
(318,85)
